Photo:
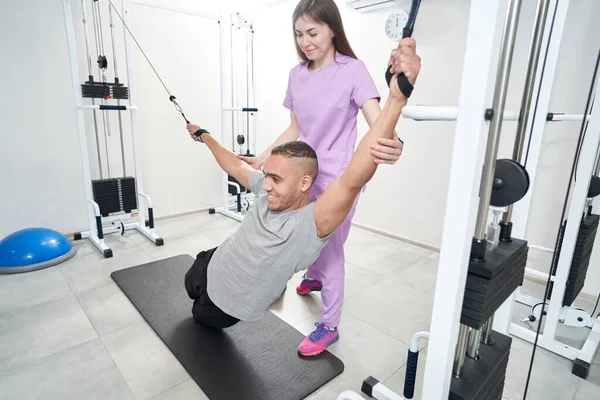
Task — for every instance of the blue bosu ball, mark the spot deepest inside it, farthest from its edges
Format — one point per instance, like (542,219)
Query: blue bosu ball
(32,249)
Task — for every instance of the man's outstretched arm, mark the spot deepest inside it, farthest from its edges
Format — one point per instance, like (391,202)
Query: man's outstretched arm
(334,205)
(226,159)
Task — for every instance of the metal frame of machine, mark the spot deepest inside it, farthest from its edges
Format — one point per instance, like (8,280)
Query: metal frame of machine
(126,221)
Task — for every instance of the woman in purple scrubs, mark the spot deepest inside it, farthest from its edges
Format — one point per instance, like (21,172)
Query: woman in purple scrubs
(325,92)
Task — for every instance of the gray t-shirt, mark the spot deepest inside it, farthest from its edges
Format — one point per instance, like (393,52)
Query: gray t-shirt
(251,268)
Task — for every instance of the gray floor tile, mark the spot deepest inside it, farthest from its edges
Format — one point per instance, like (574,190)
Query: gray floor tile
(36,287)
(589,389)
(92,271)
(85,371)
(26,335)
(293,308)
(84,248)
(364,350)
(146,363)
(393,308)
(421,276)
(385,256)
(187,390)
(359,279)
(108,309)
(551,375)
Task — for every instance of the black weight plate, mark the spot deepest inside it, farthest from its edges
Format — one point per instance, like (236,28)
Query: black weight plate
(511,182)
(594,189)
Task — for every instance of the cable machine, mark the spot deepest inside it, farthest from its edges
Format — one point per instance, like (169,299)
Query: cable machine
(481,265)
(114,201)
(238,111)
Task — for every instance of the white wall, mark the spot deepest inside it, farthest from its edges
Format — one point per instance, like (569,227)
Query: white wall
(40,172)
(40,163)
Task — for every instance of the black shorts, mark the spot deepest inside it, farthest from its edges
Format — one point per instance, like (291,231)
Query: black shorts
(204,310)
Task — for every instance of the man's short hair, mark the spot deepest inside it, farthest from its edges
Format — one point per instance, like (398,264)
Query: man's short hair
(301,151)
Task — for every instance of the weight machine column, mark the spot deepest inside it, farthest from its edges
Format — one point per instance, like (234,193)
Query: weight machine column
(224,27)
(553,35)
(79,112)
(137,162)
(142,197)
(462,199)
(523,124)
(461,351)
(502,78)
(479,244)
(112,36)
(486,337)
(96,239)
(90,76)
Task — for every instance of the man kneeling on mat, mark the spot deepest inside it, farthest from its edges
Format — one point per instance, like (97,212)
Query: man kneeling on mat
(284,233)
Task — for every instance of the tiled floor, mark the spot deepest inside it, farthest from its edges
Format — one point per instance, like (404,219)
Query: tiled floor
(68,332)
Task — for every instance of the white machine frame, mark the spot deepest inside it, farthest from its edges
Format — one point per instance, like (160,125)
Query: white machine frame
(556,313)
(463,197)
(137,219)
(232,94)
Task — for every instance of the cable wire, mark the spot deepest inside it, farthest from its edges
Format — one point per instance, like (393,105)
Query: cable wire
(556,247)
(140,47)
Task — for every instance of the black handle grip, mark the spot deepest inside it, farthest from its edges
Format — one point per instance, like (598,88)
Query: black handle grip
(405,86)
(411,374)
(185,118)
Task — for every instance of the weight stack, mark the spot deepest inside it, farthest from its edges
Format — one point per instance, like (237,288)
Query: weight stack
(491,282)
(484,378)
(581,257)
(232,190)
(115,195)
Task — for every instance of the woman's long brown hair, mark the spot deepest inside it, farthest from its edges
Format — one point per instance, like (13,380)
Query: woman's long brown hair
(325,12)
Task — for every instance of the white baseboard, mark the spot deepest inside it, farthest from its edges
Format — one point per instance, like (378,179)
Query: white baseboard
(397,237)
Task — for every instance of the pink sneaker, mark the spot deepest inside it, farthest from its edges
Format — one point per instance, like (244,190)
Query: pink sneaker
(308,285)
(318,340)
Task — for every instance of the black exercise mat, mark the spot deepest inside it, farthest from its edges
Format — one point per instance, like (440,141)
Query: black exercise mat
(250,360)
